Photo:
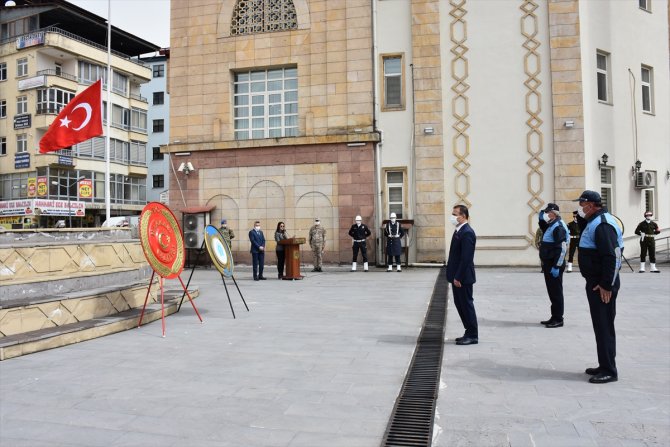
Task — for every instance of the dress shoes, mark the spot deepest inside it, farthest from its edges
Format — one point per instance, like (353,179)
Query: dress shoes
(255,279)
(553,324)
(467,341)
(262,278)
(603,378)
(457,339)
(546,321)
(592,371)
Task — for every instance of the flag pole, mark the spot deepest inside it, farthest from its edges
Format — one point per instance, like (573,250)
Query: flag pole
(108,194)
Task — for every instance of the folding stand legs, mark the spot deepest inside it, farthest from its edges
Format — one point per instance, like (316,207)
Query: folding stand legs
(197,258)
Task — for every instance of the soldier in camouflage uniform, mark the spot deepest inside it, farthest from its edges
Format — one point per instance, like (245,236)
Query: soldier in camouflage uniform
(317,240)
(226,232)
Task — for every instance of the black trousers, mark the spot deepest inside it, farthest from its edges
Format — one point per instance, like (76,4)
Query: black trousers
(649,243)
(258,259)
(465,305)
(555,291)
(281,260)
(574,242)
(602,318)
(364,251)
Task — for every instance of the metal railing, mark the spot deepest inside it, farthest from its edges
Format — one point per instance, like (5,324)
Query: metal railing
(139,98)
(54,72)
(663,247)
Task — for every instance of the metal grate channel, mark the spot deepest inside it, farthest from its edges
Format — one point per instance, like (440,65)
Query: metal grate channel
(411,422)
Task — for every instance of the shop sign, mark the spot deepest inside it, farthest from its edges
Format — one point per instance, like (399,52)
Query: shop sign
(42,186)
(32,187)
(86,188)
(22,160)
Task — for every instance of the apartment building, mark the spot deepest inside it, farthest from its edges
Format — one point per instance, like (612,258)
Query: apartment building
(49,52)
(158,125)
(295,109)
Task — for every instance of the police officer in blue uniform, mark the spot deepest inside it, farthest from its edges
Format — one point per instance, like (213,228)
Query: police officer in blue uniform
(600,251)
(553,247)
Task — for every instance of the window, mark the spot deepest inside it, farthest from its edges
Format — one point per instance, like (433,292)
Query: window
(645,4)
(22,67)
(21,143)
(159,98)
(157,153)
(90,73)
(119,83)
(393,82)
(263,16)
(3,108)
(159,70)
(649,199)
(395,195)
(21,105)
(138,153)
(606,185)
(18,27)
(52,100)
(266,104)
(158,181)
(3,71)
(120,117)
(603,76)
(138,120)
(647,81)
(3,145)
(158,126)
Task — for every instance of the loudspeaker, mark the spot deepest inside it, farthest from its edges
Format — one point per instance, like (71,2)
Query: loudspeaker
(194,229)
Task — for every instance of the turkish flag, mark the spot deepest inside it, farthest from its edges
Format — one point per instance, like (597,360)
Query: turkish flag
(79,120)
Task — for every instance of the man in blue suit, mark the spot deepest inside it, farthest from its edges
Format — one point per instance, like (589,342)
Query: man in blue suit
(257,250)
(461,273)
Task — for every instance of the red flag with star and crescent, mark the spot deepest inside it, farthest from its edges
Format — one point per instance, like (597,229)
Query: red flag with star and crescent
(79,120)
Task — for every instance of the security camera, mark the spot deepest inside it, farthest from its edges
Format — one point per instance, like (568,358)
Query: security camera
(190,166)
(181,167)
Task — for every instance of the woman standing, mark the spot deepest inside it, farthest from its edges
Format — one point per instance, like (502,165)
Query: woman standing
(280,234)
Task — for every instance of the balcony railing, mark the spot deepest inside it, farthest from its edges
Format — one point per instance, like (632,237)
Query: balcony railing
(60,74)
(139,97)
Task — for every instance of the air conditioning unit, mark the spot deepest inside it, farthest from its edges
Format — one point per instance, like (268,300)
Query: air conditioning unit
(645,179)
(194,229)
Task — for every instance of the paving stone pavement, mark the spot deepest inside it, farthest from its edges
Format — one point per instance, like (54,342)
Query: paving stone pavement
(319,362)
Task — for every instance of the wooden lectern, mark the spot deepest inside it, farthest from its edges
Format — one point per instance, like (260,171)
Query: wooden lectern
(292,251)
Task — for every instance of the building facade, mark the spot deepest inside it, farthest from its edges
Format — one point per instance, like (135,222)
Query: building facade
(158,126)
(49,52)
(291,110)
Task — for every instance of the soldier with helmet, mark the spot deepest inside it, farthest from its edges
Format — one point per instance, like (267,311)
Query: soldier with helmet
(359,232)
(647,229)
(227,233)
(394,233)
(575,231)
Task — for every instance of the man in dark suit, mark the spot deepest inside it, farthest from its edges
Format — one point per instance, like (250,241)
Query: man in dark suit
(461,273)
(257,250)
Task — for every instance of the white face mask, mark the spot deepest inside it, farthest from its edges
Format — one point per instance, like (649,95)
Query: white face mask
(546,217)
(393,220)
(581,212)
(358,222)
(454,220)
(257,228)
(648,219)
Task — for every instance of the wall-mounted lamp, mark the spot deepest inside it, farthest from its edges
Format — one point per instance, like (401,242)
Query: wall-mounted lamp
(182,154)
(186,168)
(355,144)
(569,124)
(667,175)
(428,130)
(603,161)
(635,169)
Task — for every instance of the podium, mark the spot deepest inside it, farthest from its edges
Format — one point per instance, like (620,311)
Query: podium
(292,251)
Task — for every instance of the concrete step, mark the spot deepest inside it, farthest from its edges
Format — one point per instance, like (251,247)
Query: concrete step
(67,334)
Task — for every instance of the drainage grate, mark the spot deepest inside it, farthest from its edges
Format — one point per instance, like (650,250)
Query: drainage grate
(411,422)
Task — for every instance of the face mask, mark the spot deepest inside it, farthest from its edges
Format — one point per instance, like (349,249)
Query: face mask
(393,220)
(257,228)
(225,226)
(581,212)
(358,222)
(546,217)
(648,219)
(454,220)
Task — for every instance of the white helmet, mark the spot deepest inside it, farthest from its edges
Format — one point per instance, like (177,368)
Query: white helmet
(392,216)
(358,218)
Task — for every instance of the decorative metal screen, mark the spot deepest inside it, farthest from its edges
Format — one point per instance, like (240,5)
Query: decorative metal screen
(263,16)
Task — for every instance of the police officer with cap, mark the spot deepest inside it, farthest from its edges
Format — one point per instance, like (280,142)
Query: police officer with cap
(600,251)
(359,232)
(647,229)
(553,248)
(226,232)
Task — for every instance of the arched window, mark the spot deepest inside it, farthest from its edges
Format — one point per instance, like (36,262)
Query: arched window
(263,16)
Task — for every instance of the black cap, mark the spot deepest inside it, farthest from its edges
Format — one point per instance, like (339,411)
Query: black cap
(589,196)
(574,213)
(551,207)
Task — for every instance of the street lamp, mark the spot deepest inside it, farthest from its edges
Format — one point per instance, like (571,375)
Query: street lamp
(69,210)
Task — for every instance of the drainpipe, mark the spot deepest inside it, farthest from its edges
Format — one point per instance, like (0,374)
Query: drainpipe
(375,111)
